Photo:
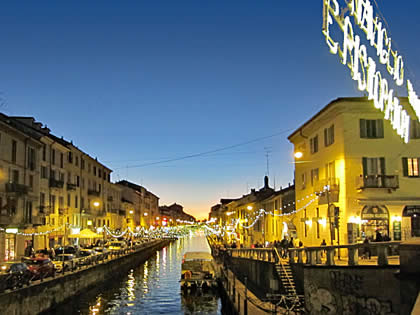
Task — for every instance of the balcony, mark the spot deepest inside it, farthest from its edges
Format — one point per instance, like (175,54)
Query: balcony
(44,210)
(17,188)
(38,221)
(327,190)
(71,186)
(378,181)
(54,183)
(93,192)
(62,211)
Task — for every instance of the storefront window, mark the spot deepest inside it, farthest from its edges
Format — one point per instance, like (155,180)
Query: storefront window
(375,219)
(10,253)
(414,213)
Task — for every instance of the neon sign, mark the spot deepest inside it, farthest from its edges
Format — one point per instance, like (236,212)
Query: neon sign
(363,67)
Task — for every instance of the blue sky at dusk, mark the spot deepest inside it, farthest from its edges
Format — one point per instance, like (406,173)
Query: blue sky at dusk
(138,82)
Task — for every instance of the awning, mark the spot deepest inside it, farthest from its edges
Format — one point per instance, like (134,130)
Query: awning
(410,211)
(86,233)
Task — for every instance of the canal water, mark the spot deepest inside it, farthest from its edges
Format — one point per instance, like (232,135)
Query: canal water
(150,288)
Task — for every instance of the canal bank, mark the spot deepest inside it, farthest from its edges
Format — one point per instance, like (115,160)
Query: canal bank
(45,296)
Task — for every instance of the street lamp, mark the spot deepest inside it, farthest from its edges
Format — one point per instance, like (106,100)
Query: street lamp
(298,154)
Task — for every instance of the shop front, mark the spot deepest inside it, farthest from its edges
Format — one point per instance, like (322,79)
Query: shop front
(413,212)
(374,219)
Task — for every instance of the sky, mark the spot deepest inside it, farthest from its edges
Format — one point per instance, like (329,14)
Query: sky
(189,99)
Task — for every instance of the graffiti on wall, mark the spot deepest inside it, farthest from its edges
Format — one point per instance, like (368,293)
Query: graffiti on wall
(345,296)
(346,283)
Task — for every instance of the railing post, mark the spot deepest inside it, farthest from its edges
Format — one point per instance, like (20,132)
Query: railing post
(312,257)
(382,255)
(330,257)
(292,254)
(353,253)
(300,256)
(318,256)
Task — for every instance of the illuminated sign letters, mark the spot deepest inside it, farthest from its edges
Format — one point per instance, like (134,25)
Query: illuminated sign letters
(363,67)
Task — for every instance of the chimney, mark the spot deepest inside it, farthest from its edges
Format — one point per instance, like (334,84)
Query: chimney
(266,182)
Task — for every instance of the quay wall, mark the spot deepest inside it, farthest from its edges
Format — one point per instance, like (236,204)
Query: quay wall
(352,290)
(44,296)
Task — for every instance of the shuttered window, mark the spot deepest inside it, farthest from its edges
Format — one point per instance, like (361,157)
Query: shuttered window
(371,128)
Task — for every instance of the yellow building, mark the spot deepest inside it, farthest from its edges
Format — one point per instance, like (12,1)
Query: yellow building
(261,216)
(365,177)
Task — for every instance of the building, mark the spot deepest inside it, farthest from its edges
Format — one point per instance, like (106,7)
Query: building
(174,215)
(143,204)
(355,176)
(19,186)
(263,215)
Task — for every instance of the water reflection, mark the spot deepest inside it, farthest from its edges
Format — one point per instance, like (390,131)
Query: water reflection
(151,288)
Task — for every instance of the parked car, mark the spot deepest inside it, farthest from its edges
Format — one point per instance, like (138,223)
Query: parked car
(87,256)
(68,249)
(65,262)
(117,245)
(14,274)
(40,267)
(102,250)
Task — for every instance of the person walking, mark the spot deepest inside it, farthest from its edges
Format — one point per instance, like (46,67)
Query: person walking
(366,249)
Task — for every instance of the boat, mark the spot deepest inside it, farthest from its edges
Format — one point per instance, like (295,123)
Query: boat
(198,271)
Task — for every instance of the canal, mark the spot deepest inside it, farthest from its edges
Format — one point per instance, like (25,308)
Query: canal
(150,288)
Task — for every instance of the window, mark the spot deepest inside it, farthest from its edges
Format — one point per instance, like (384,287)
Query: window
(76,161)
(330,170)
(28,212)
(82,163)
(61,177)
(61,160)
(52,202)
(70,157)
(44,172)
(52,174)
(104,175)
(411,167)
(14,151)
(414,129)
(31,159)
(61,202)
(77,181)
(88,167)
(31,181)
(303,180)
(53,157)
(314,144)
(82,202)
(99,173)
(373,166)
(44,152)
(94,170)
(76,201)
(42,199)
(68,200)
(371,128)
(314,176)
(329,136)
(15,177)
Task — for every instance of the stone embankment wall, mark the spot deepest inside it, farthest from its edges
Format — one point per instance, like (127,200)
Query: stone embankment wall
(44,296)
(352,290)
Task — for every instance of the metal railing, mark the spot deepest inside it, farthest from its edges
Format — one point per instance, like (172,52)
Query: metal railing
(378,181)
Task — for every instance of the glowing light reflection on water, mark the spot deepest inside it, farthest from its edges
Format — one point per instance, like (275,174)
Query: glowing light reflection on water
(151,288)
